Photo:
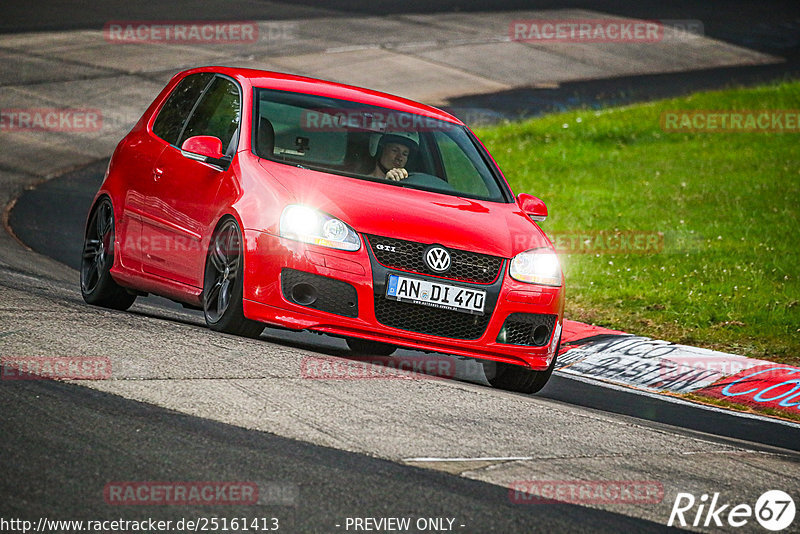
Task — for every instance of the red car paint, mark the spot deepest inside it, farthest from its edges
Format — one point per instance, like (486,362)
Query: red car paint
(167,206)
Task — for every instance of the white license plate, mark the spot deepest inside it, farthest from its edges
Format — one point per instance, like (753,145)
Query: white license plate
(436,294)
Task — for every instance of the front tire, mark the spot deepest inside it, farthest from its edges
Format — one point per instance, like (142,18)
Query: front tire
(97,286)
(223,284)
(518,378)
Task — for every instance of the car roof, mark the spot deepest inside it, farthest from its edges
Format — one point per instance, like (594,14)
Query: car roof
(313,86)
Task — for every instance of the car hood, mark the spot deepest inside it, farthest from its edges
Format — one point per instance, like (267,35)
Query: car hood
(495,228)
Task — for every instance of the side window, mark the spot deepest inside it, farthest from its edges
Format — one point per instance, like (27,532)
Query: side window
(291,123)
(217,113)
(461,172)
(179,104)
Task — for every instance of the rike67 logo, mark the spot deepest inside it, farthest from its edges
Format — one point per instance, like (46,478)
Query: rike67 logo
(774,510)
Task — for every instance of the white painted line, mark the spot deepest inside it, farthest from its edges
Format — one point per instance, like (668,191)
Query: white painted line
(479,459)
(411,45)
(351,48)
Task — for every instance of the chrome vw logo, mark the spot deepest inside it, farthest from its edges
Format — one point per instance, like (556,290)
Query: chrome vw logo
(437,259)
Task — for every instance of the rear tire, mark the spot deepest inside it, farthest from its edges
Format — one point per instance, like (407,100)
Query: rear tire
(97,286)
(223,284)
(366,347)
(518,378)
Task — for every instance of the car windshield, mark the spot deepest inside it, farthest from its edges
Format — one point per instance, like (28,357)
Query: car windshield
(368,142)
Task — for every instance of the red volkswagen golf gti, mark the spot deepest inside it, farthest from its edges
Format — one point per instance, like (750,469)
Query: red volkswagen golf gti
(269,199)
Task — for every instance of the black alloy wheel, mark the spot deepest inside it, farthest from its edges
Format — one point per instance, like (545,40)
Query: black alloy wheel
(97,286)
(223,284)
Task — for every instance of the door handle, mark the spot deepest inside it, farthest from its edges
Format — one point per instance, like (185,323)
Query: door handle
(157,173)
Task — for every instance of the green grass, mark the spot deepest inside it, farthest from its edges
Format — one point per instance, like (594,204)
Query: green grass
(728,205)
(772,412)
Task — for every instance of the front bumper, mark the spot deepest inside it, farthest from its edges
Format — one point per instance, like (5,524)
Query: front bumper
(353,304)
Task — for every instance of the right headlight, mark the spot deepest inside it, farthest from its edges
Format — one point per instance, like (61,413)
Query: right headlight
(537,266)
(308,225)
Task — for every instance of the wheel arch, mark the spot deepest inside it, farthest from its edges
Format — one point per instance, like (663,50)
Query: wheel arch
(98,198)
(226,215)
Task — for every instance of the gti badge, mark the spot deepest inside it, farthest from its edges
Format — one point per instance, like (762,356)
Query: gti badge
(437,259)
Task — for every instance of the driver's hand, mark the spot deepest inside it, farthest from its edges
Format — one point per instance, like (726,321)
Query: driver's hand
(397,174)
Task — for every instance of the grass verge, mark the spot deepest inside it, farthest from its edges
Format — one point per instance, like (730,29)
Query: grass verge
(725,207)
(772,412)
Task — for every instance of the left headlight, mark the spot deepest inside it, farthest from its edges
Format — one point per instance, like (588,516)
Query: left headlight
(538,266)
(308,225)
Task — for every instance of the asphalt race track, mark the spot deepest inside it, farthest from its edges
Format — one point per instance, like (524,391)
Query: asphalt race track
(51,217)
(46,455)
(185,404)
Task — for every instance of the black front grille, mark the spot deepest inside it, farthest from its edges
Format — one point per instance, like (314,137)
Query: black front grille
(408,256)
(521,329)
(431,321)
(319,292)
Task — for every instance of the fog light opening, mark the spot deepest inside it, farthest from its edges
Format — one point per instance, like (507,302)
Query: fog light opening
(502,337)
(540,335)
(304,294)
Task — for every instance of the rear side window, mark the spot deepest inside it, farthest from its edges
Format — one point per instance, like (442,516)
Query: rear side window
(293,139)
(176,109)
(217,114)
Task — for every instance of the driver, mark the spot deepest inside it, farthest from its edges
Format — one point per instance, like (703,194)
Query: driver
(392,154)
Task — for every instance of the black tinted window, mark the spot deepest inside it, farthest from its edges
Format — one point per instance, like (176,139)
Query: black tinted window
(217,114)
(176,109)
